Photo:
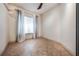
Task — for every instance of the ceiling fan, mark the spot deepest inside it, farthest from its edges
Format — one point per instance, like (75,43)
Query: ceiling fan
(40,6)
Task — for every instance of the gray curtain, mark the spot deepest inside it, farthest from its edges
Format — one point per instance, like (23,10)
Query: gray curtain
(36,33)
(35,27)
(20,27)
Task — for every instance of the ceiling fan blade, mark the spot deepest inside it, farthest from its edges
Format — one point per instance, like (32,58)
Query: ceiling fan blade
(39,7)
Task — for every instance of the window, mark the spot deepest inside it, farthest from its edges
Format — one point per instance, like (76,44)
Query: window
(28,25)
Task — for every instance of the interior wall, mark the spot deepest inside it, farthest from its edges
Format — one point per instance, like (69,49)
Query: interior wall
(68,30)
(12,27)
(3,28)
(59,24)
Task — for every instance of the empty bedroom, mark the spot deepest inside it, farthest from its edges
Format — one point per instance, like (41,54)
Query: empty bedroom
(37,29)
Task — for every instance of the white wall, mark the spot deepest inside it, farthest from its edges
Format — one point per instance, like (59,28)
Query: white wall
(12,28)
(68,30)
(59,24)
(3,28)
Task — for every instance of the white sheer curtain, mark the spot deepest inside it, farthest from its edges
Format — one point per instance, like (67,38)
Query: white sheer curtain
(28,25)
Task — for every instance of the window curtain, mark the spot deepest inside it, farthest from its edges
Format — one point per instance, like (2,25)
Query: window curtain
(36,23)
(35,27)
(20,27)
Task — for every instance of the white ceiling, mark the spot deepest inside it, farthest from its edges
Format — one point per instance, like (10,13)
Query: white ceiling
(33,6)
